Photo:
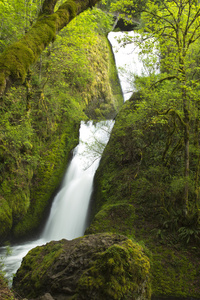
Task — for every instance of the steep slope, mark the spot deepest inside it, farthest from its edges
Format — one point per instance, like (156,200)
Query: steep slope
(134,195)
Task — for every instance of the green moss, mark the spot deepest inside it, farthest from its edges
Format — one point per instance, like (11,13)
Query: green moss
(104,97)
(70,6)
(17,196)
(37,263)
(5,217)
(49,174)
(118,218)
(17,58)
(114,80)
(174,274)
(121,272)
(3,80)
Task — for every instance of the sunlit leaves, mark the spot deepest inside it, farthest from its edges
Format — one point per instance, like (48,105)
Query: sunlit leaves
(16,18)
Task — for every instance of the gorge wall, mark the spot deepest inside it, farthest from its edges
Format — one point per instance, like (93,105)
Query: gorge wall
(75,79)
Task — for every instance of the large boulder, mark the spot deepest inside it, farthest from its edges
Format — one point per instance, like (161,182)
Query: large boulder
(102,266)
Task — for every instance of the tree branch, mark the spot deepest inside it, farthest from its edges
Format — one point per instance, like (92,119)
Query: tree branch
(16,60)
(163,79)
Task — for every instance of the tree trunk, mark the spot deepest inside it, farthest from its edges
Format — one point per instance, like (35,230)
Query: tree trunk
(187,154)
(16,60)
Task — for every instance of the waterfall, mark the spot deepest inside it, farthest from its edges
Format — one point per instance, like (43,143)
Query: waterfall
(68,216)
(125,57)
(130,60)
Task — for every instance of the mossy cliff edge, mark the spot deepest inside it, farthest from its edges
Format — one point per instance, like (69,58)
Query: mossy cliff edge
(75,79)
(131,197)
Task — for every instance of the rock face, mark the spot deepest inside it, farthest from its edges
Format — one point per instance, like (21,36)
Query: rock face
(102,266)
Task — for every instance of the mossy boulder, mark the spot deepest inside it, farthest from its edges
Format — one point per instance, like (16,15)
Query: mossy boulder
(102,266)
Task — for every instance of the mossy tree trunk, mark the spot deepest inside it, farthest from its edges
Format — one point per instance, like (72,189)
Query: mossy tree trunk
(16,60)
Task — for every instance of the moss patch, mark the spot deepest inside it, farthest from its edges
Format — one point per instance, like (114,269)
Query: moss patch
(5,217)
(117,218)
(121,272)
(36,264)
(174,274)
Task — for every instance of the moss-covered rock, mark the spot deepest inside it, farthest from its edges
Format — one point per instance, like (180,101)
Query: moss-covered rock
(102,266)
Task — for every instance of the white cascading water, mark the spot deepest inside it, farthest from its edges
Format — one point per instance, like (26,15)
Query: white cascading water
(125,57)
(68,216)
(129,60)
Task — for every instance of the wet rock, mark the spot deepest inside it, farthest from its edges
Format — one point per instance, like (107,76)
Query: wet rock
(47,296)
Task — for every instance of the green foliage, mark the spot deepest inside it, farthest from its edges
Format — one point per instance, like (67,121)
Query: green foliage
(171,97)
(128,9)
(5,216)
(5,293)
(16,19)
(189,234)
(103,20)
(17,59)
